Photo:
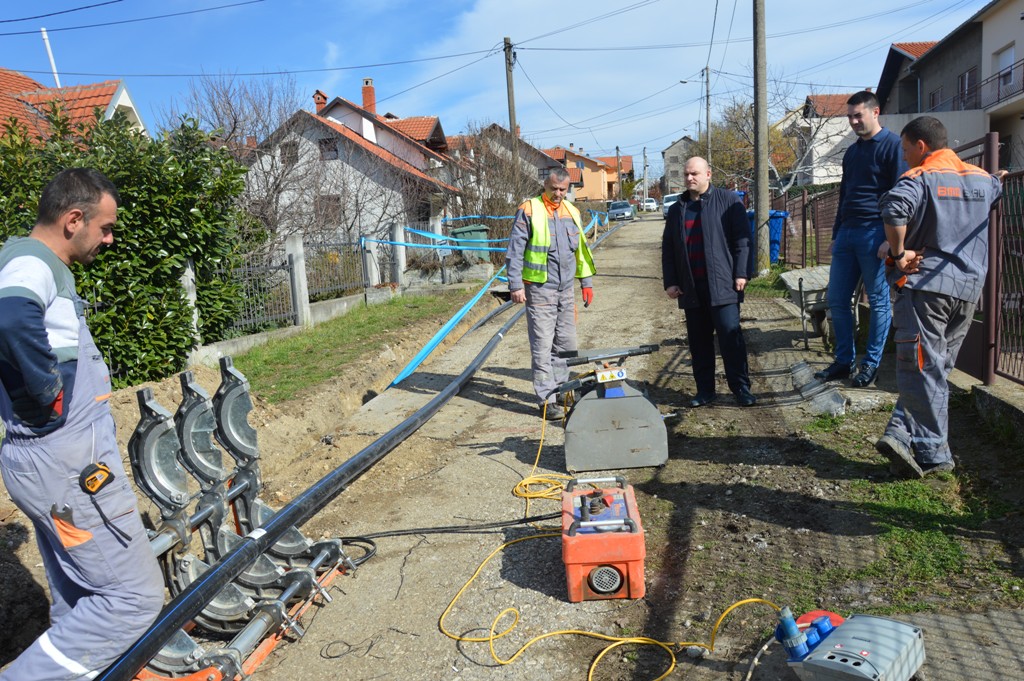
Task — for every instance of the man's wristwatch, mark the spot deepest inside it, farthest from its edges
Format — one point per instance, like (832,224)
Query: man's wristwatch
(898,256)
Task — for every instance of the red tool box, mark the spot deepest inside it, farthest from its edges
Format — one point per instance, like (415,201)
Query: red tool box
(602,540)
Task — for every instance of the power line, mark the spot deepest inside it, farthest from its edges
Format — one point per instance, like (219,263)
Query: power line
(784,34)
(446,73)
(606,113)
(54,14)
(134,21)
(728,36)
(282,72)
(607,15)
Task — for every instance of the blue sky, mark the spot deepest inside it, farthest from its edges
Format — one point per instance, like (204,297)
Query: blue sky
(595,73)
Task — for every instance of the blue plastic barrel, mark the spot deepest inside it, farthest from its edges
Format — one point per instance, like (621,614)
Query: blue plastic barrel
(776,220)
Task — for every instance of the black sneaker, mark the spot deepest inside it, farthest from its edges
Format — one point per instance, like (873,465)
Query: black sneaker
(834,371)
(865,376)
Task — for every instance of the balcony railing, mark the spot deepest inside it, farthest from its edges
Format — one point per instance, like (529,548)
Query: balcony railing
(1003,85)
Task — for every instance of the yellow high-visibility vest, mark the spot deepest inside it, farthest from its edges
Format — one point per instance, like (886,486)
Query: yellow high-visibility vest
(535,259)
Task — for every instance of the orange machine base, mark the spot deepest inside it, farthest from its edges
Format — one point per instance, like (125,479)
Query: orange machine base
(602,541)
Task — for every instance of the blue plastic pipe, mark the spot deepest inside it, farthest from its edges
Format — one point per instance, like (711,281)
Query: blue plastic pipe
(442,332)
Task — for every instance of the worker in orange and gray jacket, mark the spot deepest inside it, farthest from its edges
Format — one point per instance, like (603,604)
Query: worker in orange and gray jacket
(547,252)
(936,222)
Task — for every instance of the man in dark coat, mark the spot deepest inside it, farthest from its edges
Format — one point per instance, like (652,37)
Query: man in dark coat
(704,262)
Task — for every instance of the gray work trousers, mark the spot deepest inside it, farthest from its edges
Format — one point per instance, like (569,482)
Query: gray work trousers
(105,583)
(930,328)
(551,327)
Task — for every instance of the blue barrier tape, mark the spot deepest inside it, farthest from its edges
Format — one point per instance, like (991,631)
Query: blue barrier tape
(441,237)
(442,332)
(364,240)
(479,217)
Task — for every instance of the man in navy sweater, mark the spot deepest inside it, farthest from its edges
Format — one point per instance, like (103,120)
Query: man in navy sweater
(871,167)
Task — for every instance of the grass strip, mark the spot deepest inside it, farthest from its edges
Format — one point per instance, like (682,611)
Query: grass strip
(281,369)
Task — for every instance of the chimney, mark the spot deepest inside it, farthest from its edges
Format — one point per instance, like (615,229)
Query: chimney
(320,99)
(518,131)
(250,141)
(570,145)
(369,96)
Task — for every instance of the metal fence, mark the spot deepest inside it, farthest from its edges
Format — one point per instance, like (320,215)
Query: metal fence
(808,233)
(268,298)
(1010,279)
(333,268)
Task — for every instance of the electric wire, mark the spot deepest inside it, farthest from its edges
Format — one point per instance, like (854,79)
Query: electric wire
(135,21)
(64,11)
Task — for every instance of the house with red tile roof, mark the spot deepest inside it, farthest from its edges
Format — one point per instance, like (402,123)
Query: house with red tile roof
(596,176)
(485,172)
(344,171)
(972,80)
(625,166)
(27,101)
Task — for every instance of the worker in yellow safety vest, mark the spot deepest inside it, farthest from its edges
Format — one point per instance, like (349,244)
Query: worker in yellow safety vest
(547,252)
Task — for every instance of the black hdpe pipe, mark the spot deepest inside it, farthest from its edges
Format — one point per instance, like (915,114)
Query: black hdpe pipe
(186,605)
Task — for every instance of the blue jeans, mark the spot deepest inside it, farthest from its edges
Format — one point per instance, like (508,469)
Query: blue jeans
(855,256)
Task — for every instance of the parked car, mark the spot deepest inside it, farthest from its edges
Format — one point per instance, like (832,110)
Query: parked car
(620,210)
(667,203)
(649,204)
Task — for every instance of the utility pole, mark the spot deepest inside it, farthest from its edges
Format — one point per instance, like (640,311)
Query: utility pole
(645,174)
(618,170)
(761,198)
(510,60)
(707,109)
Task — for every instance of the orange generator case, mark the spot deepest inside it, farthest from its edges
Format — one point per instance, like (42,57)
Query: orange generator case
(602,541)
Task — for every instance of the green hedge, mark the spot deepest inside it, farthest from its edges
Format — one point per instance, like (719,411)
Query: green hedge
(178,202)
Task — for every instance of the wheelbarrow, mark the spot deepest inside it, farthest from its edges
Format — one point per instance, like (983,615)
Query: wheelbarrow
(808,289)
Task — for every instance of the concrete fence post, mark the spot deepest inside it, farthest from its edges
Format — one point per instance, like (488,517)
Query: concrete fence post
(398,261)
(188,282)
(300,284)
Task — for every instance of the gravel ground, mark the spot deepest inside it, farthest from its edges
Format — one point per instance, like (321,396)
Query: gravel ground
(746,496)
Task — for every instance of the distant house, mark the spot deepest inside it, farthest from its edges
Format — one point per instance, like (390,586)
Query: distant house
(972,80)
(624,166)
(674,159)
(28,101)
(345,172)
(594,174)
(489,181)
(822,133)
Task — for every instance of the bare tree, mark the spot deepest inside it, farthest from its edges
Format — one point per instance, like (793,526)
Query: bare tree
(489,180)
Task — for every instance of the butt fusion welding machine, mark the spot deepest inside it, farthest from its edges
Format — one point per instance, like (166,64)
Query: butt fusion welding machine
(611,425)
(602,540)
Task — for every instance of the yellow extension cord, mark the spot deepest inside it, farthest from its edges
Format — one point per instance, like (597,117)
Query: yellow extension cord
(550,487)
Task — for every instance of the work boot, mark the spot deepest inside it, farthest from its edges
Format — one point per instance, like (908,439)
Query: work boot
(865,376)
(554,411)
(901,459)
(745,398)
(834,371)
(941,467)
(700,399)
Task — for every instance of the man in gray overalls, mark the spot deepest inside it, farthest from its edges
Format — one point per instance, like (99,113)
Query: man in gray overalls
(105,582)
(547,252)
(936,222)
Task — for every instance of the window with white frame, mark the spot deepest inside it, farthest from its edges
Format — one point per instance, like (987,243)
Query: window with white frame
(1004,65)
(967,89)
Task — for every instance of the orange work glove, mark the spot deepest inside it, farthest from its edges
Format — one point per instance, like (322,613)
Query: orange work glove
(588,296)
(58,404)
